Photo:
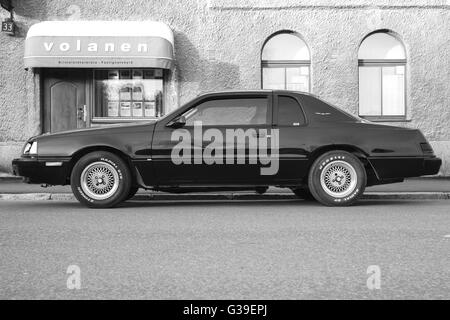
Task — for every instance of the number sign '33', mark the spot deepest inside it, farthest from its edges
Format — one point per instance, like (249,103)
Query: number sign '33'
(8,26)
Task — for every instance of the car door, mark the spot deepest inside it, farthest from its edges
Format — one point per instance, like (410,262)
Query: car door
(290,120)
(216,145)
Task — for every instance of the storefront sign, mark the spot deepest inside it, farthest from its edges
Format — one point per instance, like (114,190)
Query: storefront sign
(100,50)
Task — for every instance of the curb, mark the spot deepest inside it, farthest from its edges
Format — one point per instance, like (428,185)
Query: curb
(407,195)
(228,196)
(8,177)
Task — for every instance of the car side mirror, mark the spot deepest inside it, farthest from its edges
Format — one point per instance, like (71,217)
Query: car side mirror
(178,122)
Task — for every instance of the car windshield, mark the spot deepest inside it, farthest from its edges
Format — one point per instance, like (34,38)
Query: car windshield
(168,114)
(352,116)
(346,113)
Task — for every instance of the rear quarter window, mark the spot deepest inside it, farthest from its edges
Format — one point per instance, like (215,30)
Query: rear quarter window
(290,113)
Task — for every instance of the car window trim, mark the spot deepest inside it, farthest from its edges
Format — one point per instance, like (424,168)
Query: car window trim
(277,106)
(219,126)
(197,102)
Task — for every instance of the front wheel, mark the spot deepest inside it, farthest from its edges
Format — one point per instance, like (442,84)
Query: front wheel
(132,193)
(337,178)
(101,180)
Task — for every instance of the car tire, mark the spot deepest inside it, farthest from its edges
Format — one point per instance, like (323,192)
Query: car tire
(337,178)
(132,193)
(101,180)
(303,193)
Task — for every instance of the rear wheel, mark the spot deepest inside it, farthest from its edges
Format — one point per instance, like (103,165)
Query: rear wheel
(337,178)
(101,180)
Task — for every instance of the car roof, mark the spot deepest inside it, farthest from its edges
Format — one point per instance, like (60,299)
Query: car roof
(230,92)
(257,91)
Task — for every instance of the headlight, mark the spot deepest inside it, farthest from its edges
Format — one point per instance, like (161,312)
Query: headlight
(31,148)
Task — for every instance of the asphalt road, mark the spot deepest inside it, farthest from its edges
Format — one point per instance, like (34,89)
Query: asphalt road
(8,186)
(226,250)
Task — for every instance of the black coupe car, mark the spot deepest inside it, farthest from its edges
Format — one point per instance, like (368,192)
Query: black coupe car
(231,141)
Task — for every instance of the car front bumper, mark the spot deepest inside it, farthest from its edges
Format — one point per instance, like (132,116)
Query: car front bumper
(38,171)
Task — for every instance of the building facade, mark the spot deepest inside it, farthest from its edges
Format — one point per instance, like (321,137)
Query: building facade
(73,64)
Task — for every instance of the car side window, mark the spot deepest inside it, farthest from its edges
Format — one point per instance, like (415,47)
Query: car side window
(289,112)
(232,111)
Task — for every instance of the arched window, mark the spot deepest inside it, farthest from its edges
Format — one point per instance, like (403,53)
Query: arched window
(285,63)
(382,80)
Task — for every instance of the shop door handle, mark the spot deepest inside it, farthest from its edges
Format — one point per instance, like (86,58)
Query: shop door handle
(82,113)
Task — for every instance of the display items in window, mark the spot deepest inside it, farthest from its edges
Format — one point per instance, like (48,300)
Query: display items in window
(128,93)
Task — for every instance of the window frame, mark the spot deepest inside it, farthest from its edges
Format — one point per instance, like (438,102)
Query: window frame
(267,97)
(285,63)
(112,120)
(277,107)
(384,63)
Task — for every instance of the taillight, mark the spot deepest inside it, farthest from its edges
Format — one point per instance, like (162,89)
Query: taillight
(426,148)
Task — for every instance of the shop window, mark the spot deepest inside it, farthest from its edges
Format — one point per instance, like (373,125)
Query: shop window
(234,112)
(286,63)
(382,79)
(128,93)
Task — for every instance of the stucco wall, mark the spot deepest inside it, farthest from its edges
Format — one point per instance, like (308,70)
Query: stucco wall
(218,44)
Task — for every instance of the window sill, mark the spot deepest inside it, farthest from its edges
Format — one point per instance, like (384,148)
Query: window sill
(386,118)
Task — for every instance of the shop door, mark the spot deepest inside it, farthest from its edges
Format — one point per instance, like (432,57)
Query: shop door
(65,99)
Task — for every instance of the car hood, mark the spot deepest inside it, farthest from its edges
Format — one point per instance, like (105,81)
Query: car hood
(104,130)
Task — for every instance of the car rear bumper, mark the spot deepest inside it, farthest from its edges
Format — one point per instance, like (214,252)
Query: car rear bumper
(432,166)
(405,167)
(48,171)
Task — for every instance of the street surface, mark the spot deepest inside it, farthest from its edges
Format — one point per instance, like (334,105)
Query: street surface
(409,185)
(225,250)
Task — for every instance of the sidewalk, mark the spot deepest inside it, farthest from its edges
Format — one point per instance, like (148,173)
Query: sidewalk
(416,188)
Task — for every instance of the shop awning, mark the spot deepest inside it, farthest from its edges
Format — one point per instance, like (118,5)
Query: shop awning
(99,44)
